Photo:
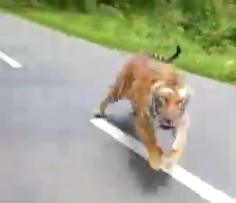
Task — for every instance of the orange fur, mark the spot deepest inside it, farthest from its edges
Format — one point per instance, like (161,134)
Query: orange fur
(134,83)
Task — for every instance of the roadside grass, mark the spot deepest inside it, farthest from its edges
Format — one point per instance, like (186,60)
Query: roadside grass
(138,33)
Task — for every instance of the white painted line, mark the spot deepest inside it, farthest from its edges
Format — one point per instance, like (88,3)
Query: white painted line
(205,190)
(10,61)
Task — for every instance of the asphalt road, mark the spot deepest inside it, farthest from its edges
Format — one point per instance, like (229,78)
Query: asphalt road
(51,153)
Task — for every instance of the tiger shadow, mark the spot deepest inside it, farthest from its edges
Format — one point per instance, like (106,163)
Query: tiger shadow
(149,179)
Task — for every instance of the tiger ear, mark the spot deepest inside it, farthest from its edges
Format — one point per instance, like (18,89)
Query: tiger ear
(186,93)
(154,88)
(155,80)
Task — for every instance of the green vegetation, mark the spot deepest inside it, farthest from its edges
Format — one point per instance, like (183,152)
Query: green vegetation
(205,29)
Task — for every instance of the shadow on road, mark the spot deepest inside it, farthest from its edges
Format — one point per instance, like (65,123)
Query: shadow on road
(124,123)
(149,180)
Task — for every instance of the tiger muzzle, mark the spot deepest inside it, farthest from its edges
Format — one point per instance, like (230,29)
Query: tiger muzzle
(170,123)
(167,124)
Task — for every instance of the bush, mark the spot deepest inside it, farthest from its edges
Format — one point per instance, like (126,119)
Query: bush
(206,29)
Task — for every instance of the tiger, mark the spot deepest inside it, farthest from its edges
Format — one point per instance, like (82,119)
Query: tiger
(159,96)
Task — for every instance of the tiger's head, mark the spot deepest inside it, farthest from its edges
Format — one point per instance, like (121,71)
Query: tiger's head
(168,103)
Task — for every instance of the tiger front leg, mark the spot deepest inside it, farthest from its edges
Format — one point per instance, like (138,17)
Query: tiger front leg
(147,134)
(172,158)
(133,105)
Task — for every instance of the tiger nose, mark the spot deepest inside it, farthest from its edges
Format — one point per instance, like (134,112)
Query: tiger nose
(167,121)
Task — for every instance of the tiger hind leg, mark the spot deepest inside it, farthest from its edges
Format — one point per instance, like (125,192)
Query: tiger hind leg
(100,113)
(113,96)
(117,92)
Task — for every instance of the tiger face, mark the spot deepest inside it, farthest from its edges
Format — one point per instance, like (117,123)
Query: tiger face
(169,104)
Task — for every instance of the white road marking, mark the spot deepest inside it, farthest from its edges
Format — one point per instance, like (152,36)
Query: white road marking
(10,61)
(205,190)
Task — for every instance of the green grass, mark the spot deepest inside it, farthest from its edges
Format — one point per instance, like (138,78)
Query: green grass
(138,33)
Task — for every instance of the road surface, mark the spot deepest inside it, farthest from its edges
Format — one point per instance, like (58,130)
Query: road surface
(50,152)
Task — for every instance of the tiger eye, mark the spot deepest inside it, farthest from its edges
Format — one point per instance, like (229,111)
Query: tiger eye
(180,101)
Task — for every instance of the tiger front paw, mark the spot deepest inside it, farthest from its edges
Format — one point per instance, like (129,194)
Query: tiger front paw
(168,163)
(154,161)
